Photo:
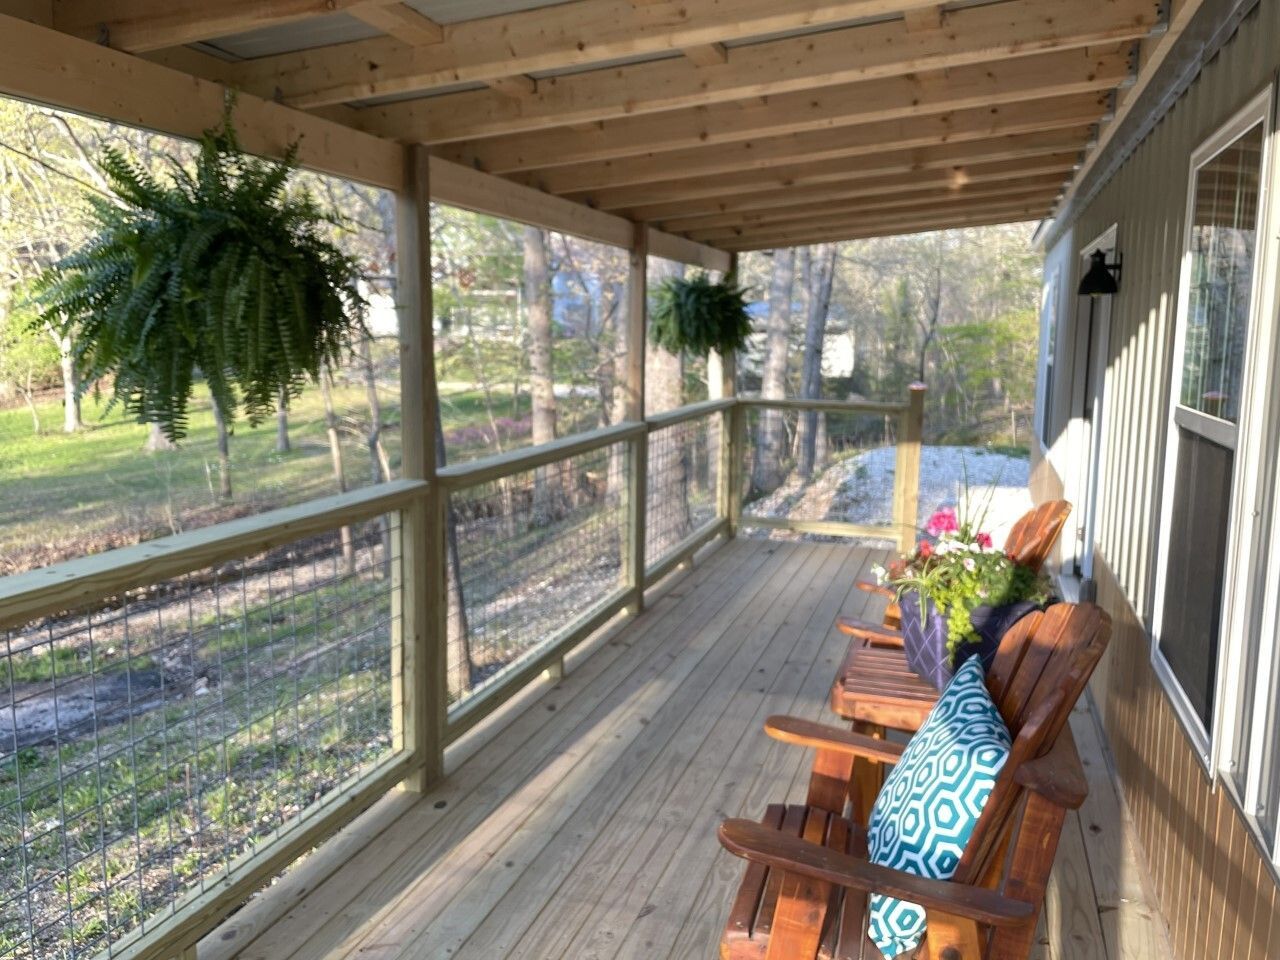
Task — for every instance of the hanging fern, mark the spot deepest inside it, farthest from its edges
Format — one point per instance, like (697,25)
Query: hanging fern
(221,273)
(697,316)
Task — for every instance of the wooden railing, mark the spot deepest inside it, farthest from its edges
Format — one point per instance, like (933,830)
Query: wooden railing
(637,499)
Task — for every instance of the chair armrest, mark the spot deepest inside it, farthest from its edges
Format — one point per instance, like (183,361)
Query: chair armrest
(879,589)
(806,733)
(873,633)
(761,844)
(1058,775)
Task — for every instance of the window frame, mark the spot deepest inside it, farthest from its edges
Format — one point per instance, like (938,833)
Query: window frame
(1049,313)
(1248,442)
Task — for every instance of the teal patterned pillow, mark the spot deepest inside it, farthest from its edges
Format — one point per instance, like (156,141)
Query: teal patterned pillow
(931,800)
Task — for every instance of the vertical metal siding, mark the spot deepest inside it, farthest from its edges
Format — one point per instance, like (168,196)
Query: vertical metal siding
(1217,891)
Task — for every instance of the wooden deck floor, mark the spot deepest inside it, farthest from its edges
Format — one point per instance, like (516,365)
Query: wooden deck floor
(586,828)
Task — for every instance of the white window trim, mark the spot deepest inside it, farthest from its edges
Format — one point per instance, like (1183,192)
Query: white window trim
(1212,745)
(1050,324)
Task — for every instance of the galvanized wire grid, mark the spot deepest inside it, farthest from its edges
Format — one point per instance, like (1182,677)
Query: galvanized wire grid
(683,462)
(147,743)
(535,551)
(850,475)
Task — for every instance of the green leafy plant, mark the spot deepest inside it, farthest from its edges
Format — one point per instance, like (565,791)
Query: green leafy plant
(698,315)
(957,567)
(221,272)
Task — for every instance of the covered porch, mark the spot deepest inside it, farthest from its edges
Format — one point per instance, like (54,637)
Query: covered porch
(585,827)
(557,795)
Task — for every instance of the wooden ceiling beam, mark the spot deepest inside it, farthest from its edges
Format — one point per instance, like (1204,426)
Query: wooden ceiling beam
(400,21)
(925,179)
(972,35)
(1041,202)
(888,162)
(568,35)
(898,226)
(141,25)
(1058,73)
(981,123)
(708,54)
(906,198)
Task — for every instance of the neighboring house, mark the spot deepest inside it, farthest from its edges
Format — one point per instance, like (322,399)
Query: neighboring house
(1158,419)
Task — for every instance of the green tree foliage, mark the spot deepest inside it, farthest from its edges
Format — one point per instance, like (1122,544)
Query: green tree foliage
(221,272)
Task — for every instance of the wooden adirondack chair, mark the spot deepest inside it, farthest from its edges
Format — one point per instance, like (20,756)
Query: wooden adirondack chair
(805,889)
(1029,542)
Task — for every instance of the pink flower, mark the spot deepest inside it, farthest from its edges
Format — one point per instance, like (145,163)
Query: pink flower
(943,521)
(983,540)
(925,549)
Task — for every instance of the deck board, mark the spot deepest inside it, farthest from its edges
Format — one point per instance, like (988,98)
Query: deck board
(586,829)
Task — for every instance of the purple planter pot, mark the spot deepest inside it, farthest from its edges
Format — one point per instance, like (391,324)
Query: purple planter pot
(925,640)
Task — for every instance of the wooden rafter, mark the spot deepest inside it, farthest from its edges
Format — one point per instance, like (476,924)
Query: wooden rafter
(568,35)
(895,227)
(399,21)
(889,162)
(962,125)
(955,176)
(1015,208)
(915,196)
(139,25)
(974,35)
(1058,73)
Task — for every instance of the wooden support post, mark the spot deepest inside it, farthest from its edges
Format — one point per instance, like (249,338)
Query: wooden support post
(722,383)
(638,467)
(906,474)
(419,648)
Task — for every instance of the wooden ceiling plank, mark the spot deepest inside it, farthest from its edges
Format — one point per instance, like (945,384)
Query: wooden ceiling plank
(568,35)
(400,21)
(905,198)
(974,35)
(925,179)
(890,161)
(1041,203)
(862,229)
(850,233)
(519,87)
(924,18)
(708,54)
(958,126)
(141,25)
(1058,73)
(50,67)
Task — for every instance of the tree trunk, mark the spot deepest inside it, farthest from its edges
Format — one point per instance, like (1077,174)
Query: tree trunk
(811,367)
(379,463)
(71,420)
(224,455)
(771,429)
(458,639)
(668,511)
(156,440)
(335,459)
(537,298)
(282,424)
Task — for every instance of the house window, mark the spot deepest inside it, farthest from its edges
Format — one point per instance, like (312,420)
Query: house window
(1204,611)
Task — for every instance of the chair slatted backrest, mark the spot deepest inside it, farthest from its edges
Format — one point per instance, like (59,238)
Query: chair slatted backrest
(1038,674)
(1032,538)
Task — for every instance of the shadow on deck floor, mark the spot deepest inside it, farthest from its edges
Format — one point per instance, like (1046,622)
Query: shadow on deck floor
(585,828)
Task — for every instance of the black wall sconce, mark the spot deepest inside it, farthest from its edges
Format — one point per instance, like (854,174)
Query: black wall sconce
(1102,279)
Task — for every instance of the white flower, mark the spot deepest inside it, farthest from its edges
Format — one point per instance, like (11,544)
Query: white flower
(974,548)
(879,571)
(970,564)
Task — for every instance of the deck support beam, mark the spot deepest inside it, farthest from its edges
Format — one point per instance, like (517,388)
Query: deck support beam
(637,476)
(419,650)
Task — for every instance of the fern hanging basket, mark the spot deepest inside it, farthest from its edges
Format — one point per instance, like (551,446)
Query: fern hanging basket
(699,315)
(221,272)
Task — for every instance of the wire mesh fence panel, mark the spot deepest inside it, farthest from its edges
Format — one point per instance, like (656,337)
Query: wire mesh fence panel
(534,552)
(819,465)
(154,743)
(682,476)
